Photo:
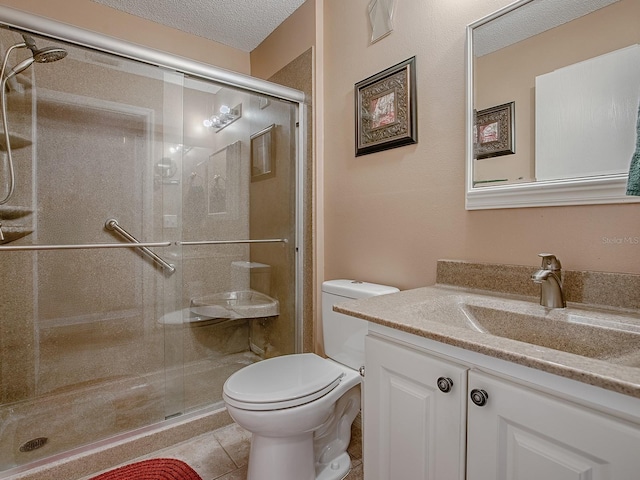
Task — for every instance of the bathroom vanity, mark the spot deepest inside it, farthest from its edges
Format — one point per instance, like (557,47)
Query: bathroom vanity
(468,384)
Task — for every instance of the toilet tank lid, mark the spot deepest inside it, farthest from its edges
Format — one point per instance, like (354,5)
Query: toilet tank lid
(355,289)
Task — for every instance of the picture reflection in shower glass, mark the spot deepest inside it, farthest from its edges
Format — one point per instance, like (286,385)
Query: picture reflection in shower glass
(217,182)
(262,165)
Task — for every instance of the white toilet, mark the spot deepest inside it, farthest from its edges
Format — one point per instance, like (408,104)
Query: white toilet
(299,408)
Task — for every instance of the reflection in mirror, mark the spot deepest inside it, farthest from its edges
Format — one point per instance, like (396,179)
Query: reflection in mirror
(553,90)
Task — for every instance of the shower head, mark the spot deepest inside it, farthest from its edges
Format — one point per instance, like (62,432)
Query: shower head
(43,55)
(46,54)
(49,54)
(39,55)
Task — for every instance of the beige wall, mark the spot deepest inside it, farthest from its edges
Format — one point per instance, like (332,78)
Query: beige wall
(290,40)
(389,216)
(99,18)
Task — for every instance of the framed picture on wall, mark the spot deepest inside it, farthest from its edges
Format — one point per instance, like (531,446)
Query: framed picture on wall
(385,105)
(494,131)
(262,147)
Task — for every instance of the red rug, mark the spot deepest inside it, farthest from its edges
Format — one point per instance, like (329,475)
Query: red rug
(154,469)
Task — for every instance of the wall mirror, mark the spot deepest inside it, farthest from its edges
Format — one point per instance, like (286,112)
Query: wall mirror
(552,103)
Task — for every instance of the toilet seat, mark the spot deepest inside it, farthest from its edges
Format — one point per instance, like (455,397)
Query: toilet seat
(282,382)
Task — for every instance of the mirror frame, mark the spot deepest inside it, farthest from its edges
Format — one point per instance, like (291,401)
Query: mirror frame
(603,189)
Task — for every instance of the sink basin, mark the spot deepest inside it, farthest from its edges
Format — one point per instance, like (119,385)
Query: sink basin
(595,345)
(566,331)
(595,333)
(237,304)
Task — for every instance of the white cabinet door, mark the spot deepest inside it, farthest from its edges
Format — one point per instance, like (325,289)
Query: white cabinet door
(522,434)
(412,430)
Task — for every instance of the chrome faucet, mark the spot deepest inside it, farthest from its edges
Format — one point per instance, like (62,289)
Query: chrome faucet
(550,279)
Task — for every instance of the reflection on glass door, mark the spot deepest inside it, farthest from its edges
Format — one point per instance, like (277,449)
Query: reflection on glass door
(241,294)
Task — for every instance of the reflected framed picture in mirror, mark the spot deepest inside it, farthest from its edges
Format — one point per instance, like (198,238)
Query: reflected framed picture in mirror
(494,131)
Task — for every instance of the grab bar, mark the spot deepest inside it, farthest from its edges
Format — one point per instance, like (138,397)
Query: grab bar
(112,224)
(233,242)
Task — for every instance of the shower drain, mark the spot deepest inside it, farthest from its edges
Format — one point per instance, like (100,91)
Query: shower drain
(34,444)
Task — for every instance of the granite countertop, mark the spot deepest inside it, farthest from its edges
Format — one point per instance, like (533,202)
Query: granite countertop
(597,346)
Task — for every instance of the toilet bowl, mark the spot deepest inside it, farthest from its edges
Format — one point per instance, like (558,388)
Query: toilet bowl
(299,408)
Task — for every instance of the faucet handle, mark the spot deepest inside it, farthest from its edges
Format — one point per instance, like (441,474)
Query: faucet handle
(550,262)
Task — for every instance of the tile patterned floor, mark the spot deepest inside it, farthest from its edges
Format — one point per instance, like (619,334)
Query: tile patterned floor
(223,454)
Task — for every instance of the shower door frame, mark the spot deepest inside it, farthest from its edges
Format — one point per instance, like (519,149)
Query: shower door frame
(31,23)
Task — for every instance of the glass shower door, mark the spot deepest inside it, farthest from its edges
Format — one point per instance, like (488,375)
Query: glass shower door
(238,229)
(97,338)
(86,341)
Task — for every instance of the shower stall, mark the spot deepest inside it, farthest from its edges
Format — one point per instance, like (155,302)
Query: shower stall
(151,241)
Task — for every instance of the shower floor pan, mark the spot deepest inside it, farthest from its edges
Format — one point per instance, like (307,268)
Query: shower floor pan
(80,414)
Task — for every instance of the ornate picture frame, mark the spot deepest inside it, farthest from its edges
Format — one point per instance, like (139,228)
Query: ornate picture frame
(494,131)
(385,105)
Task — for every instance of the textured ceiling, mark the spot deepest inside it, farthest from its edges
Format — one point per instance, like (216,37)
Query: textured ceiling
(528,20)
(242,24)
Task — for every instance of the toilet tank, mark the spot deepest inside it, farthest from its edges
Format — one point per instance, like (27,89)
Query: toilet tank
(343,334)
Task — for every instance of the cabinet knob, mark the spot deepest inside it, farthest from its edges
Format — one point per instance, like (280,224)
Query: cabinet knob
(479,397)
(445,384)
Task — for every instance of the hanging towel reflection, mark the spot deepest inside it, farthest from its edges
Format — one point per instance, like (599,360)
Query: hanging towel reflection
(633,183)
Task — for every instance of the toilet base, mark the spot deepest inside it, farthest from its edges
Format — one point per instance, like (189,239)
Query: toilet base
(281,458)
(337,470)
(291,458)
